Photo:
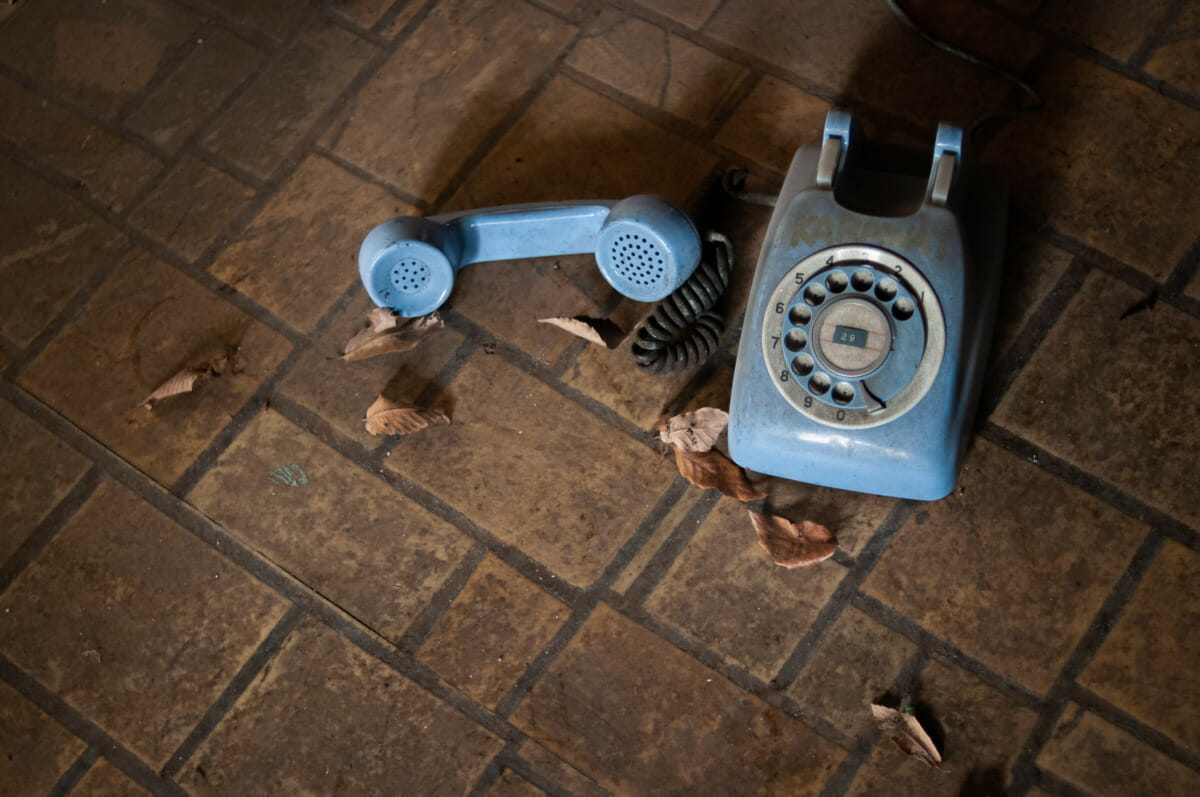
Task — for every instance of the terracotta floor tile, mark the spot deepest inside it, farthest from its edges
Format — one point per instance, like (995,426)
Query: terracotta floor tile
(981,734)
(584,486)
(363,13)
(510,784)
(665,529)
(105,780)
(37,471)
(301,252)
(655,67)
(340,392)
(862,53)
(725,592)
(1011,544)
(110,169)
(183,102)
(191,207)
(381,557)
(1070,166)
(1145,664)
(279,19)
(1175,61)
(34,749)
(437,98)
(568,777)
(852,517)
(145,643)
(854,666)
(145,324)
(1031,270)
(98,54)
(49,246)
(1117,30)
(692,13)
(402,18)
(1087,752)
(325,717)
(1087,395)
(774,120)
(641,716)
(507,298)
(574,144)
(492,631)
(267,122)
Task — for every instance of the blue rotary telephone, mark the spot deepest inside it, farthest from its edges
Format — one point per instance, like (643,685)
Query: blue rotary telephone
(870,316)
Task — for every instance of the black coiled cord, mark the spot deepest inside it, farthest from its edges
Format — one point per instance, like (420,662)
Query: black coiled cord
(683,331)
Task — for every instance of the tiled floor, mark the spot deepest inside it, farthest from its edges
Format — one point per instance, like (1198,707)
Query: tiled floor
(530,600)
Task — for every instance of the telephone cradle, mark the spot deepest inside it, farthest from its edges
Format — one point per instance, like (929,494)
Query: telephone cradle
(870,315)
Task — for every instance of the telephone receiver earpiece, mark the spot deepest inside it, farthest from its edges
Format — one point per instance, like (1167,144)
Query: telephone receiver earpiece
(645,247)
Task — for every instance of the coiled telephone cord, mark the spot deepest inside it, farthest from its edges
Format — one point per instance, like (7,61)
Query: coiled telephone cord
(685,328)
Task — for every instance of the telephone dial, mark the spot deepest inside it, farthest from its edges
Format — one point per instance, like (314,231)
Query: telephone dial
(870,314)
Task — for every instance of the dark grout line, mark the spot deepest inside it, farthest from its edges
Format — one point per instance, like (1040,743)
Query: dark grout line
(420,205)
(540,780)
(75,722)
(75,773)
(1058,786)
(1134,727)
(390,15)
(335,17)
(1185,270)
(166,68)
(857,573)
(419,629)
(45,531)
(672,547)
(1099,628)
(492,772)
(245,676)
(1158,34)
(946,652)
(249,34)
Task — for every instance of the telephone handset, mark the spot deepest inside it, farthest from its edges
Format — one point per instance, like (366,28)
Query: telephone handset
(870,314)
(645,247)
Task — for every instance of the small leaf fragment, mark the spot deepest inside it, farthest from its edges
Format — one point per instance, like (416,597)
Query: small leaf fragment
(907,734)
(596,330)
(694,431)
(185,381)
(389,333)
(793,545)
(389,417)
(713,469)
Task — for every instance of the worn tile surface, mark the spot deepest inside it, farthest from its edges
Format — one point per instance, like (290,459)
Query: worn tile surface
(49,245)
(382,556)
(1090,754)
(1031,270)
(37,471)
(436,99)
(151,637)
(105,780)
(34,749)
(145,324)
(1176,58)
(617,686)
(585,486)
(1118,30)
(725,591)
(976,566)
(1144,665)
(352,725)
(190,209)
(1087,396)
(774,120)
(493,630)
(300,252)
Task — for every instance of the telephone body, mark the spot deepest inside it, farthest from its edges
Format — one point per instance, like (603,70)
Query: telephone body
(870,316)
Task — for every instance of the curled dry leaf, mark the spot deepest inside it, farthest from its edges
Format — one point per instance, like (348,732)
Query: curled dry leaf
(390,333)
(907,734)
(713,469)
(596,330)
(694,431)
(185,381)
(793,545)
(388,417)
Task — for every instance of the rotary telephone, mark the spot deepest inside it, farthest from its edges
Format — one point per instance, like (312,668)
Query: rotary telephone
(870,315)
(863,344)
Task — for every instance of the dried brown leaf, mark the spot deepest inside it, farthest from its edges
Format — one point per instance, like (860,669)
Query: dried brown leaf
(596,330)
(907,734)
(713,469)
(694,431)
(389,417)
(793,545)
(389,334)
(185,381)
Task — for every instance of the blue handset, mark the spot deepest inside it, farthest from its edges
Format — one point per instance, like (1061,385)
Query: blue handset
(644,245)
(870,314)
